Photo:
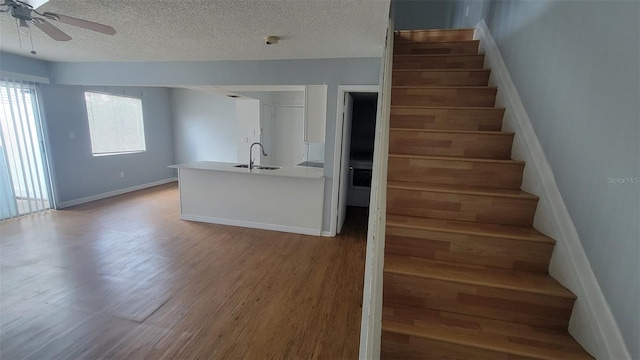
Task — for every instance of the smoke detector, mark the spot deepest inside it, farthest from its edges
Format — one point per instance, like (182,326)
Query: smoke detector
(270,40)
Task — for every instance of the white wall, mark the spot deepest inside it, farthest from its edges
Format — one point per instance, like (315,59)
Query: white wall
(248,124)
(288,98)
(204,127)
(575,65)
(269,102)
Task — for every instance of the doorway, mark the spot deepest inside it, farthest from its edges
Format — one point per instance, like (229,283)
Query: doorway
(24,179)
(355,139)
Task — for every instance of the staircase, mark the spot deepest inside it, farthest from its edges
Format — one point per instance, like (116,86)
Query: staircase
(465,274)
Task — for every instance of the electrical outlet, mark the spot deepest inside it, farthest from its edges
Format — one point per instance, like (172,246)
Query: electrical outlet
(122,175)
(72,135)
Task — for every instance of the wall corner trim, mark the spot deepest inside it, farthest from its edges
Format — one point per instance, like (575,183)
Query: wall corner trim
(86,199)
(592,322)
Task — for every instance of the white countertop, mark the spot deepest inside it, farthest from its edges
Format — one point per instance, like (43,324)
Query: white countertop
(298,172)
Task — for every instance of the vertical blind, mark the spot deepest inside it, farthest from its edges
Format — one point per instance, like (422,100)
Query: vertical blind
(24,185)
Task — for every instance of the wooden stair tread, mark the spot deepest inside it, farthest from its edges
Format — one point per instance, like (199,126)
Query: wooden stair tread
(479,132)
(437,41)
(440,46)
(469,190)
(456,158)
(442,70)
(432,35)
(523,233)
(413,31)
(478,275)
(433,30)
(447,107)
(494,335)
(430,87)
(447,117)
(437,55)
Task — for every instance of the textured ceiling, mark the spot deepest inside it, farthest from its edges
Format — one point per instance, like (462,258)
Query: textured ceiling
(206,30)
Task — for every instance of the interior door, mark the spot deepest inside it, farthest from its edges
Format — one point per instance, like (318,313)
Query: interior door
(344,160)
(289,139)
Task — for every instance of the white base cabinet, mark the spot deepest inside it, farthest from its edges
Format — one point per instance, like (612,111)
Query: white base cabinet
(287,199)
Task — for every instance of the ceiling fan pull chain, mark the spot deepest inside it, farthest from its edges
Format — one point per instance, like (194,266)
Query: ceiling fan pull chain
(19,37)
(33,52)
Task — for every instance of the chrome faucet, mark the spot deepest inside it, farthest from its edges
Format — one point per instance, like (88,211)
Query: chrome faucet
(251,150)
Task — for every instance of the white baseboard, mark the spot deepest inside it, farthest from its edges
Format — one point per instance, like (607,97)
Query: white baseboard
(592,323)
(249,224)
(326,234)
(66,204)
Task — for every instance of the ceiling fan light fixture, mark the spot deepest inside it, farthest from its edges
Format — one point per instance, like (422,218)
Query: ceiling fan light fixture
(19,12)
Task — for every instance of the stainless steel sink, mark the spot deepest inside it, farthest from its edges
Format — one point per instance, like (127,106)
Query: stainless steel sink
(259,167)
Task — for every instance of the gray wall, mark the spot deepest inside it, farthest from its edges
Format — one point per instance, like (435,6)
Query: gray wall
(440,14)
(204,126)
(423,14)
(77,173)
(23,65)
(333,72)
(577,68)
(467,13)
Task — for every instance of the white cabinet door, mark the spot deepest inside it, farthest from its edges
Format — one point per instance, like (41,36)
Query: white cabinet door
(315,113)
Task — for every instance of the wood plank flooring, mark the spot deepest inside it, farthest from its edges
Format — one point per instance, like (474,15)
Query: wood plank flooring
(125,278)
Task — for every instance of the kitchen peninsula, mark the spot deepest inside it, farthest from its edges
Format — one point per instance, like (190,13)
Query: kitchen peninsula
(285,199)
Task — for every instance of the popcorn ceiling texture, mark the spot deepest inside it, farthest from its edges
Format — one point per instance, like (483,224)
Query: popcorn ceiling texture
(208,30)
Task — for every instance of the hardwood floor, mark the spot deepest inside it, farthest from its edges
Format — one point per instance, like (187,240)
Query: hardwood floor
(125,278)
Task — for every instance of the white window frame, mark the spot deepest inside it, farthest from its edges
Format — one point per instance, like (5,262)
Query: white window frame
(91,131)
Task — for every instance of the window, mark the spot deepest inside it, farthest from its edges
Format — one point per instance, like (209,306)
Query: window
(115,123)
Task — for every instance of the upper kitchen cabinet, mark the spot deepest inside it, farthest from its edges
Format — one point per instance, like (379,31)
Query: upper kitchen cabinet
(315,113)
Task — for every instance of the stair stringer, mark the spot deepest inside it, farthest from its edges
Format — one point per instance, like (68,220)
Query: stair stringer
(592,323)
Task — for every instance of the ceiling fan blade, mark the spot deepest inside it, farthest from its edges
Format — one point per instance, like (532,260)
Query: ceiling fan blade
(85,24)
(52,31)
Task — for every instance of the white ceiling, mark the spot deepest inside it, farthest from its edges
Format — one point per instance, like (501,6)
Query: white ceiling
(207,30)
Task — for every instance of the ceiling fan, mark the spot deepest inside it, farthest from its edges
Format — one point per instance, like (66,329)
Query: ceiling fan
(23,12)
